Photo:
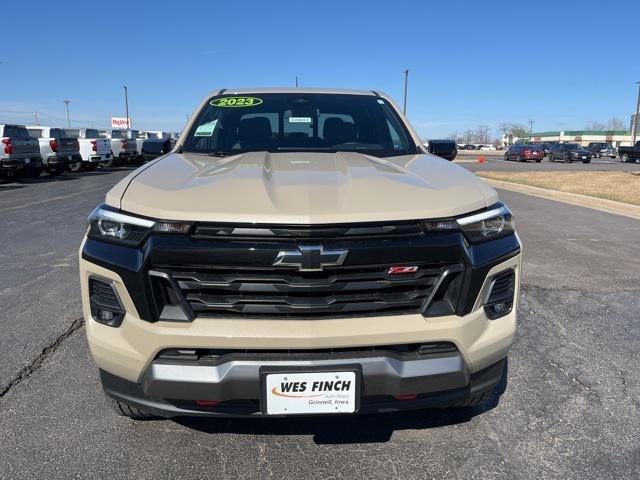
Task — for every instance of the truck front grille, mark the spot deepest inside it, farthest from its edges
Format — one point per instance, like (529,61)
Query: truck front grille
(340,291)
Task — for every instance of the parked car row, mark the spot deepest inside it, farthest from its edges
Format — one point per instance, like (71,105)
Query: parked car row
(28,151)
(566,152)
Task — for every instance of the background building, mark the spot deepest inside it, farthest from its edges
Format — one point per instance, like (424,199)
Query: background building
(582,137)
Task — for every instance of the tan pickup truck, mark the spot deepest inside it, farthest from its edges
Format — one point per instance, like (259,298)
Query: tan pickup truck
(299,253)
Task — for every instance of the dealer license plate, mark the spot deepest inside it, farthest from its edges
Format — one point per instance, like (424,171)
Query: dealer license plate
(310,393)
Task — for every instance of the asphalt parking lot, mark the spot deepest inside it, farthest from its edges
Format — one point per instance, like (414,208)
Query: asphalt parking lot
(571,409)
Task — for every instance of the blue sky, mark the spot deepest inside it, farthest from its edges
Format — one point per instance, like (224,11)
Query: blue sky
(560,63)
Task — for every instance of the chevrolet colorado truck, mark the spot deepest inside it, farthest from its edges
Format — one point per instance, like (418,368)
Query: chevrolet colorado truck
(299,252)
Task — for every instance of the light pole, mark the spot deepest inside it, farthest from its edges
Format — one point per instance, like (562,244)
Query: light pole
(67,102)
(635,118)
(126,106)
(296,81)
(406,82)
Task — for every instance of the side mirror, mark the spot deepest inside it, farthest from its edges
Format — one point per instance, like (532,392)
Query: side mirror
(446,149)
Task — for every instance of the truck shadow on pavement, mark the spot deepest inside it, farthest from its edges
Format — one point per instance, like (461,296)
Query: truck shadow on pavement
(374,428)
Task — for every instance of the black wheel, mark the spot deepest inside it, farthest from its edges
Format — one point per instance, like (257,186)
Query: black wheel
(506,157)
(111,162)
(624,158)
(586,161)
(520,159)
(567,159)
(75,167)
(90,167)
(126,410)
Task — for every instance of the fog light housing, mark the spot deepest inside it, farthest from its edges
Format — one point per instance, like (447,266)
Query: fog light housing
(499,299)
(106,307)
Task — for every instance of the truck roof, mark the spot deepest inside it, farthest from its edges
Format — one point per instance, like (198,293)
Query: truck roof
(228,91)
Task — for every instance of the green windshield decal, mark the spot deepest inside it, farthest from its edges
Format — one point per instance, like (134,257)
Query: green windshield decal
(236,102)
(206,129)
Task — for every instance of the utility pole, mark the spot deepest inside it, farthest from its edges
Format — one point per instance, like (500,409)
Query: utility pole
(635,118)
(35,115)
(531,122)
(296,81)
(67,102)
(126,106)
(406,82)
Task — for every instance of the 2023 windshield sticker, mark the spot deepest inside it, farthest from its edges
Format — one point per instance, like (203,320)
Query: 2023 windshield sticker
(227,102)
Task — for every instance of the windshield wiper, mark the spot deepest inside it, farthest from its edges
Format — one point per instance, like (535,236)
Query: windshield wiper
(219,154)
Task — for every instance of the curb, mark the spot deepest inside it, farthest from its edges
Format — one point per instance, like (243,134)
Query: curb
(601,204)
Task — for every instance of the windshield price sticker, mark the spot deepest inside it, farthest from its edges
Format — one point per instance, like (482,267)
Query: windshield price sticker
(299,119)
(206,129)
(236,102)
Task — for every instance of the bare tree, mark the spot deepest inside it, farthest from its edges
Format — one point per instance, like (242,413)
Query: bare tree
(595,126)
(616,124)
(468,136)
(512,130)
(482,134)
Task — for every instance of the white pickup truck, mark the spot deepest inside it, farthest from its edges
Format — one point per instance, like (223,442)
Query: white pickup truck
(58,150)
(93,149)
(123,149)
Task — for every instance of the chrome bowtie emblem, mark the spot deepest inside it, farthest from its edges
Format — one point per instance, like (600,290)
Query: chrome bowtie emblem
(310,258)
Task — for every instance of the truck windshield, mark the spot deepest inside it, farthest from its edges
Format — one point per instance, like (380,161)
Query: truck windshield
(292,122)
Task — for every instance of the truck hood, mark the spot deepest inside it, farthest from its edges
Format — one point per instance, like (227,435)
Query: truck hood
(300,188)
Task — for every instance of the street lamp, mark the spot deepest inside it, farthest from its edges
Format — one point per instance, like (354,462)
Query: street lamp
(635,118)
(67,102)
(126,106)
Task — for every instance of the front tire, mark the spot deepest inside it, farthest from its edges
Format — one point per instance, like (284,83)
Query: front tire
(624,158)
(125,410)
(567,159)
(520,159)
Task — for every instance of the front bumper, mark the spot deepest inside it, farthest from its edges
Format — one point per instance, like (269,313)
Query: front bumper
(167,391)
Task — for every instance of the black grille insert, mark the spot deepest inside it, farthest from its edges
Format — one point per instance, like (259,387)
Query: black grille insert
(340,291)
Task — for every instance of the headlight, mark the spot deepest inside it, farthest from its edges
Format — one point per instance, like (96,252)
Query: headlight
(488,225)
(108,224)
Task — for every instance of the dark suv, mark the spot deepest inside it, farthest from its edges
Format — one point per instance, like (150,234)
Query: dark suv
(569,152)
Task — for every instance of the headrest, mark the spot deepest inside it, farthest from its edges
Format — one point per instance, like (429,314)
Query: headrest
(256,129)
(337,131)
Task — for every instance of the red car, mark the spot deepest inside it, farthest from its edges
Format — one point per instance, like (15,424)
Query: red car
(522,153)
